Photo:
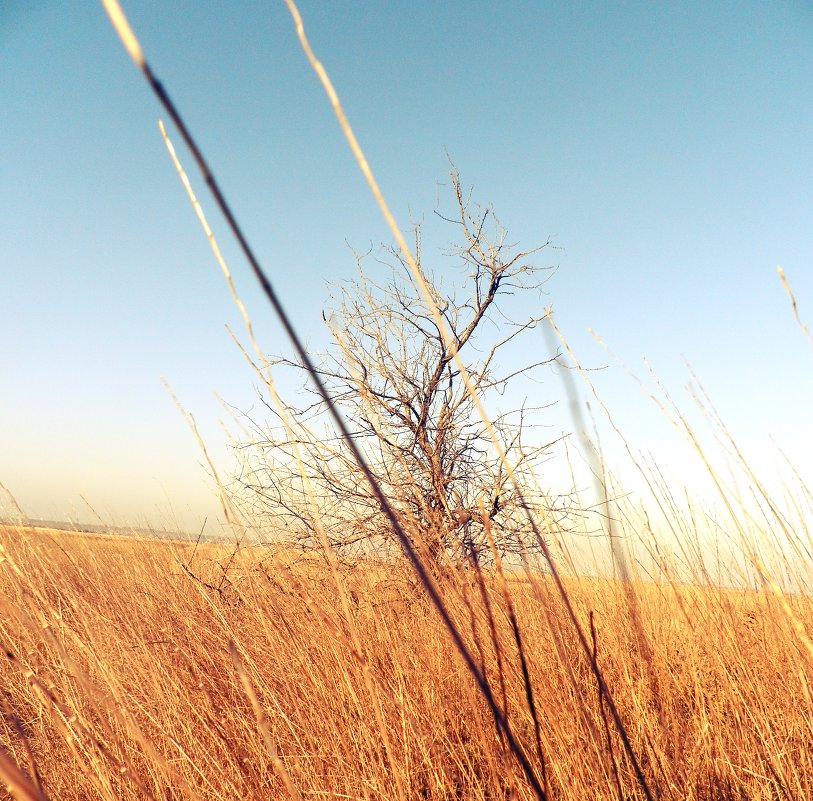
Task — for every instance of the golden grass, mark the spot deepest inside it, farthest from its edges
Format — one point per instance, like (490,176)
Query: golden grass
(164,670)
(124,677)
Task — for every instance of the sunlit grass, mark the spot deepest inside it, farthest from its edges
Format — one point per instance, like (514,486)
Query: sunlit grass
(138,668)
(119,679)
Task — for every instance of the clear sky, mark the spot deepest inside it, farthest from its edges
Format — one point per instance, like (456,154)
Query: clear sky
(666,148)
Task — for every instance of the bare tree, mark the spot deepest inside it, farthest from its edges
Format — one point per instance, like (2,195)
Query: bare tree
(396,382)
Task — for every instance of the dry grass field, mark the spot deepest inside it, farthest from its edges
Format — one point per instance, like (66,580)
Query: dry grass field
(136,668)
(128,675)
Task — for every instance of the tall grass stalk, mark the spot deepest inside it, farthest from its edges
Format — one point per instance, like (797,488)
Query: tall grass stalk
(133,48)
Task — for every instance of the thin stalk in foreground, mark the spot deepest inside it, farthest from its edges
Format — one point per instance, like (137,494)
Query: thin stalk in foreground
(133,48)
(264,371)
(451,347)
(262,722)
(16,782)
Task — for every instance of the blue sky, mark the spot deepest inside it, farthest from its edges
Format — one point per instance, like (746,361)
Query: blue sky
(667,149)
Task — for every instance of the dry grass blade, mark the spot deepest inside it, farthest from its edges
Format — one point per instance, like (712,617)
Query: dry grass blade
(16,510)
(264,372)
(210,237)
(228,512)
(17,783)
(451,345)
(12,720)
(262,723)
(781,273)
(341,425)
(608,737)
(125,32)
(521,651)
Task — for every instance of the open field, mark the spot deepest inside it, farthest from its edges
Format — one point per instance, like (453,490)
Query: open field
(127,675)
(664,650)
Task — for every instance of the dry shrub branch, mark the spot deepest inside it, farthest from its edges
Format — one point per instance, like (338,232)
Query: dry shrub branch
(389,370)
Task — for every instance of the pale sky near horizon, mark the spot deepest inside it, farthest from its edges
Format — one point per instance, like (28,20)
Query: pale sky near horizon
(666,149)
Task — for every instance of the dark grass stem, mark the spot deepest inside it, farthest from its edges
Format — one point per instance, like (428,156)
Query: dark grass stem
(131,44)
(608,737)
